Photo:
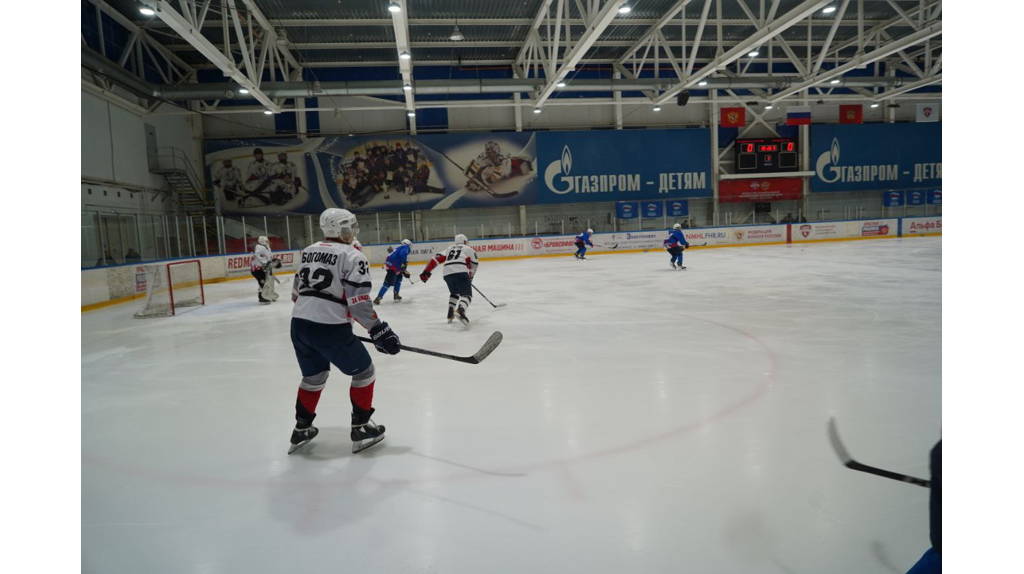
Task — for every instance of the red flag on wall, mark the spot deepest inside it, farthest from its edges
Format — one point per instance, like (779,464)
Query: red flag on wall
(734,117)
(852,114)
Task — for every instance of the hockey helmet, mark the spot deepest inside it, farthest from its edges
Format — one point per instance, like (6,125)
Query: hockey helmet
(590,230)
(677,226)
(262,240)
(340,223)
(406,242)
(461,239)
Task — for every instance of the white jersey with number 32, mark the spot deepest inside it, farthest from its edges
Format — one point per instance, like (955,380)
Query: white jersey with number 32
(332,285)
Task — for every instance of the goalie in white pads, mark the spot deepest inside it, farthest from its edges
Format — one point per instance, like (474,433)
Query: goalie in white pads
(331,289)
(460,265)
(262,268)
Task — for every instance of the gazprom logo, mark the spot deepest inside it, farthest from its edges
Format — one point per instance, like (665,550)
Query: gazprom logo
(829,160)
(563,168)
(559,178)
(828,169)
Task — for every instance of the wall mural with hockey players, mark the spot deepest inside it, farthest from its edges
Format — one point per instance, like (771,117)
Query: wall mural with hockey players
(380,173)
(442,171)
(876,157)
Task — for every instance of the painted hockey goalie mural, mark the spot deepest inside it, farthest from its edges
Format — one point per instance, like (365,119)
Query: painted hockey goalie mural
(282,176)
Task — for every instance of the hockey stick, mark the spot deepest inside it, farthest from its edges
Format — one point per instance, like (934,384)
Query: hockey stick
(492,343)
(602,246)
(848,462)
(488,300)
(480,181)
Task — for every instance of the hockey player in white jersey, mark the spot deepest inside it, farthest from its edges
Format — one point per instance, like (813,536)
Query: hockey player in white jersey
(460,265)
(262,268)
(229,179)
(332,289)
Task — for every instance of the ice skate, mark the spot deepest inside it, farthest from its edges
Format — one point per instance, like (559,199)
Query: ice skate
(451,314)
(461,313)
(301,437)
(376,301)
(397,297)
(263,300)
(681,268)
(365,433)
(673,263)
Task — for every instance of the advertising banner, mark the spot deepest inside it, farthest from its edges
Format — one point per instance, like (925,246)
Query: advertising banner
(237,265)
(876,156)
(379,173)
(765,189)
(616,165)
(922,225)
(935,197)
(892,198)
(652,208)
(627,209)
(915,197)
(845,230)
(680,208)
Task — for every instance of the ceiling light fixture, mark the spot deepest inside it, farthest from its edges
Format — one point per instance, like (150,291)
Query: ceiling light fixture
(835,81)
(394,8)
(874,105)
(407,88)
(753,53)
(147,11)
(243,91)
(625,10)
(405,56)
(768,107)
(561,84)
(268,112)
(657,108)
(456,34)
(536,110)
(702,83)
(828,10)
(411,114)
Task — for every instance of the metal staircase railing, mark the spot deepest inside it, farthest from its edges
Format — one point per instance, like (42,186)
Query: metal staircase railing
(193,197)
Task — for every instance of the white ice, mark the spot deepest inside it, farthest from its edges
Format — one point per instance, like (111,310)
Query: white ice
(635,419)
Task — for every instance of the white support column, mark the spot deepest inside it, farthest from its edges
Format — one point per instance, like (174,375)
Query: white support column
(713,122)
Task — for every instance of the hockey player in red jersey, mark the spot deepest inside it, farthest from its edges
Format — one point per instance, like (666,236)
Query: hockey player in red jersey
(331,290)
(460,265)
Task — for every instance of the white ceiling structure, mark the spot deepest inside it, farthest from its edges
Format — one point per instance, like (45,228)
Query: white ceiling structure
(552,52)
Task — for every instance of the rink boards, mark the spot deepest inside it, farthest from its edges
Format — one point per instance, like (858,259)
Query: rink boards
(110,285)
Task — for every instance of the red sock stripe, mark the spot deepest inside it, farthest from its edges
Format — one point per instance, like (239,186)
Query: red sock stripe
(362,397)
(309,399)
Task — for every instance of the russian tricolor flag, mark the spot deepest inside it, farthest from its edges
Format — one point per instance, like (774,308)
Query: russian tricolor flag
(798,115)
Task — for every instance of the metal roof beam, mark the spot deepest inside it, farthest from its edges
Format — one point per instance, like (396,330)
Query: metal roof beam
(910,87)
(180,24)
(400,22)
(862,60)
(502,22)
(769,30)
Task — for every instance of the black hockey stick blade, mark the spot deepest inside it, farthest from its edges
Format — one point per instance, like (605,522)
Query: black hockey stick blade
(492,343)
(496,306)
(848,462)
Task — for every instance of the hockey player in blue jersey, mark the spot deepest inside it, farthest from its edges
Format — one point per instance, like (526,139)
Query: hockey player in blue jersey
(395,266)
(582,241)
(675,244)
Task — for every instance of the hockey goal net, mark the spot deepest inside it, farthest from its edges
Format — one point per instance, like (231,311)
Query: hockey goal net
(171,287)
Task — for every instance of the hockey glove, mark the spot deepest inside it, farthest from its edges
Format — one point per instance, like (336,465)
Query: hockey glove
(385,339)
(424,276)
(406,275)
(277,262)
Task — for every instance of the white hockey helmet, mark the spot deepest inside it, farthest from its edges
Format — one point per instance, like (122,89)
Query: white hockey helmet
(677,226)
(262,240)
(340,223)
(590,230)
(461,239)
(406,242)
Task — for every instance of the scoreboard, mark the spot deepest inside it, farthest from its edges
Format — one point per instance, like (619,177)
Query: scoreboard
(764,155)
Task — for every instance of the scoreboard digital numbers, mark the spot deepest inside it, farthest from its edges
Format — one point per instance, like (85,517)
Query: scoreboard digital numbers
(765,155)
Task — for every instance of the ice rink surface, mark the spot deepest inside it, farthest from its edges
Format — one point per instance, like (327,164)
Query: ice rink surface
(635,419)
